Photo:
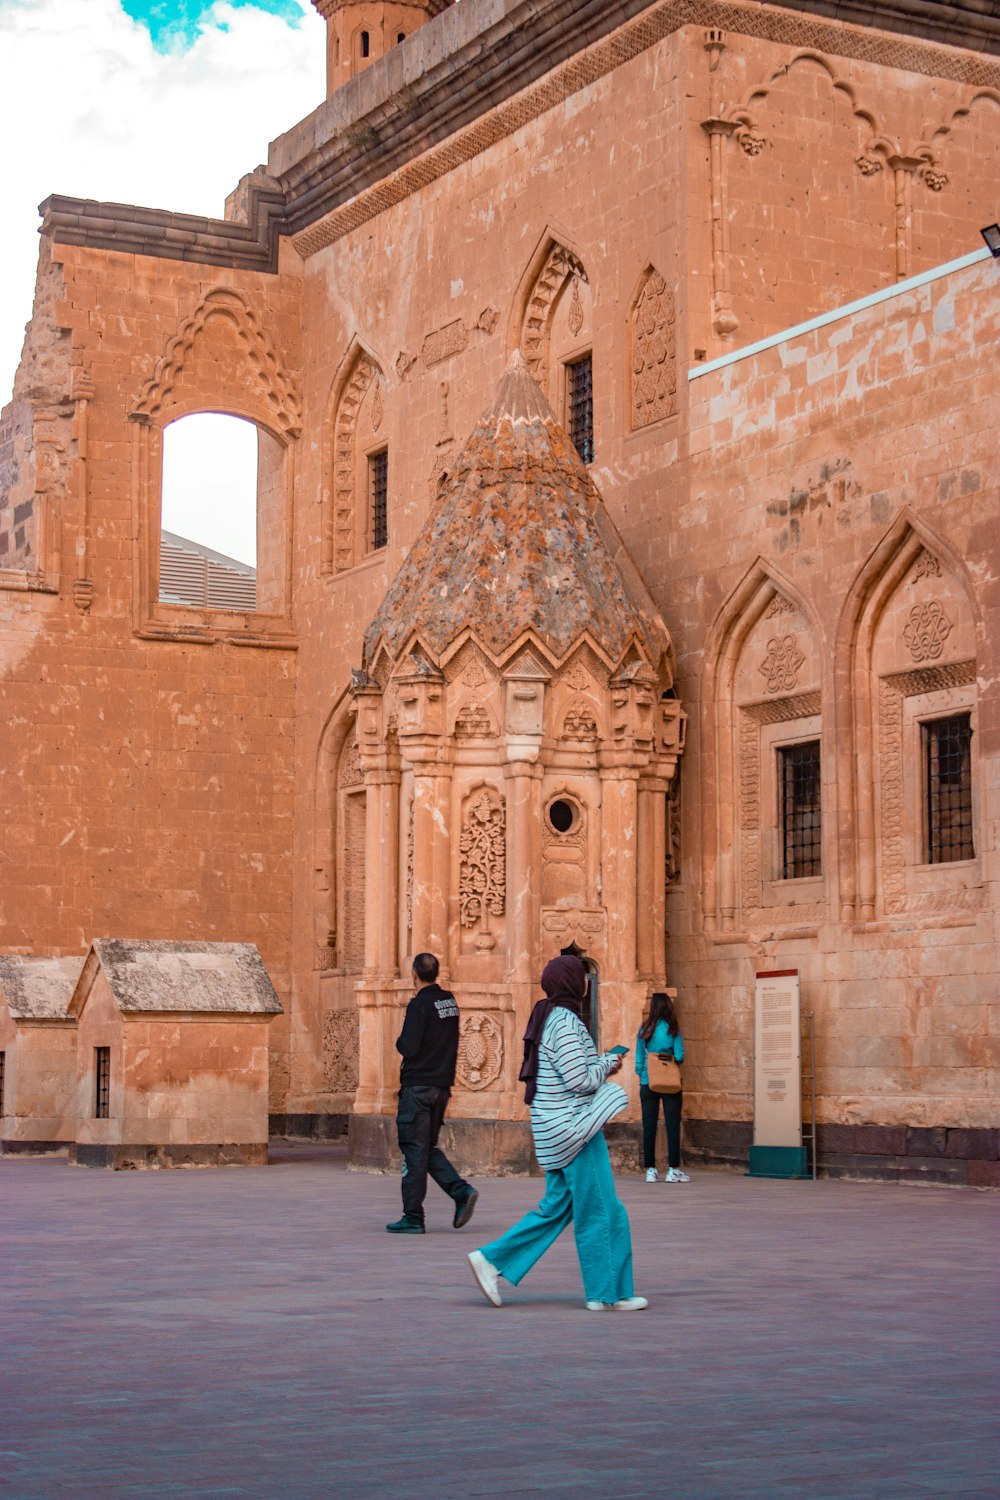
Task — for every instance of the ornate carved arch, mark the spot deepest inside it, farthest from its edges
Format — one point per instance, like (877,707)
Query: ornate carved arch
(653,368)
(936,138)
(747,112)
(359,369)
(909,548)
(762,593)
(276,386)
(554,263)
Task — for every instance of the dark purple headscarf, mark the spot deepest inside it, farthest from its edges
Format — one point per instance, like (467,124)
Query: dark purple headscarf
(564,981)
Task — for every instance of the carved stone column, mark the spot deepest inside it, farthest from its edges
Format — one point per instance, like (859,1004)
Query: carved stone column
(724,320)
(619,866)
(650,877)
(428,750)
(903,168)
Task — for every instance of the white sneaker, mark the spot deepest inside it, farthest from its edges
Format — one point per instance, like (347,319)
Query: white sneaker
(627,1304)
(652,1175)
(487,1277)
(676,1175)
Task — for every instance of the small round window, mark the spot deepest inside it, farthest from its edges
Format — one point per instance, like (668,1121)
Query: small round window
(562,815)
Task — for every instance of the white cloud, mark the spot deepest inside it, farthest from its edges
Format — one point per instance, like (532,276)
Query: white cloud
(89,108)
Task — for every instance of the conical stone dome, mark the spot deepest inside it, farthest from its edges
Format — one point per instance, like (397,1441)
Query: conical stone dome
(519,541)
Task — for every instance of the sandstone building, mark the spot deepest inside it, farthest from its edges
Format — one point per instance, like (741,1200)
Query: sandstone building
(627,576)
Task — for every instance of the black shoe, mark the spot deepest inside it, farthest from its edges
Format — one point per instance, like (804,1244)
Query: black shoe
(405,1226)
(464,1208)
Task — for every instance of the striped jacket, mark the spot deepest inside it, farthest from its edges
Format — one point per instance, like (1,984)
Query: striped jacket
(573,1099)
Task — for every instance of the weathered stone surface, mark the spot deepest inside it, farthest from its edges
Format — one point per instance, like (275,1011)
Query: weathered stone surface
(37,989)
(146,975)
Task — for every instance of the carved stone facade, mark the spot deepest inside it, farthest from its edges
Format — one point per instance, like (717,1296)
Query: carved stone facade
(810,508)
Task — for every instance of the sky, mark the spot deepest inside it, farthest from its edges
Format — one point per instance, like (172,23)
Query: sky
(166,103)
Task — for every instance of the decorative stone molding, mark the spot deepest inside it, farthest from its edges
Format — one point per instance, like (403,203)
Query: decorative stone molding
(277,386)
(340,527)
(779,605)
(926,566)
(340,1051)
(751,718)
(654,359)
(558,265)
(480,1050)
(893,690)
(482,883)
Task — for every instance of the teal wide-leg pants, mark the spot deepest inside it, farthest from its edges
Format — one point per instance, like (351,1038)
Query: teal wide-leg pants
(582,1194)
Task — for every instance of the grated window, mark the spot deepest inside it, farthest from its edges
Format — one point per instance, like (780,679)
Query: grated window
(102,1060)
(800,811)
(580,403)
(948,781)
(378,498)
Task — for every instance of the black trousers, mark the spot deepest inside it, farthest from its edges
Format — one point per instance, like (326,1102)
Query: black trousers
(651,1118)
(419,1117)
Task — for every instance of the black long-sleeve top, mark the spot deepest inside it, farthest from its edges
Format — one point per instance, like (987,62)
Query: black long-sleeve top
(428,1041)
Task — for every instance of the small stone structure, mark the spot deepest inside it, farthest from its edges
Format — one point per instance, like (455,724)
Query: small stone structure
(517,729)
(172,1054)
(37,1054)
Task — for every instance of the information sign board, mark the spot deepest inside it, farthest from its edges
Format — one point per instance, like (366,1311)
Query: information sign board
(777,1095)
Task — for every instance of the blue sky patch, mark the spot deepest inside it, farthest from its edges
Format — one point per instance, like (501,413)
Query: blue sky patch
(173,22)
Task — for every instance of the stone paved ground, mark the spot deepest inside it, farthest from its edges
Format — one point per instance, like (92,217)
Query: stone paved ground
(243,1332)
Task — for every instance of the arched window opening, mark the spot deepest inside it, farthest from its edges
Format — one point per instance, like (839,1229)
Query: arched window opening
(218,471)
(400,37)
(365,44)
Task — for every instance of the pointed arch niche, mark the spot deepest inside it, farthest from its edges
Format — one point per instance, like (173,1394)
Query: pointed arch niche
(763,839)
(909,636)
(552,321)
(221,361)
(356,465)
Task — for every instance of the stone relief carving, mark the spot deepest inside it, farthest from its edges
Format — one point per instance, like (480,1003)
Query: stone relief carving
(926,630)
(482,879)
(488,320)
(672,872)
(780,667)
(575,317)
(474,676)
(404,363)
(350,765)
(408,881)
(577,677)
(378,410)
(480,1050)
(340,1051)
(779,605)
(868,163)
(473,723)
(926,566)
(752,142)
(654,363)
(453,338)
(579,723)
(935,178)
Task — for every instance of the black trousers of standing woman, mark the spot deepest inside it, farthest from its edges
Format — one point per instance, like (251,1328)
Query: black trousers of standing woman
(651,1118)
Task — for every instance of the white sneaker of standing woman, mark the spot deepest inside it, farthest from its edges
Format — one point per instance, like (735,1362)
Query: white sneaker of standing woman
(676,1175)
(652,1175)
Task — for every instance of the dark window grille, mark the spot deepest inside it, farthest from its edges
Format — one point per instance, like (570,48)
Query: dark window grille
(948,779)
(800,811)
(102,1101)
(3,1059)
(378,490)
(580,400)
(365,44)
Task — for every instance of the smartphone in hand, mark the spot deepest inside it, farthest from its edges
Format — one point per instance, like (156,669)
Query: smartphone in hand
(619,1050)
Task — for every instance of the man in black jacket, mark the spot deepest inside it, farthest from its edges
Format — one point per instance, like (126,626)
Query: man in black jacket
(428,1044)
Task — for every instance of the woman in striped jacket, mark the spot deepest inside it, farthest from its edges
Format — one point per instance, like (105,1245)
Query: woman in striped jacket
(571,1102)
